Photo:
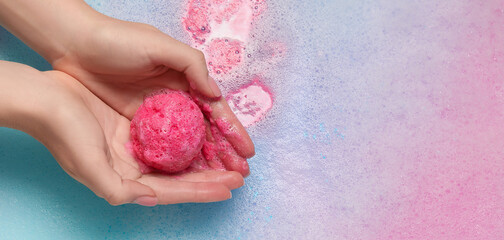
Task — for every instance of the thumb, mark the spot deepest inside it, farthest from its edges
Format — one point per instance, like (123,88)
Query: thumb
(185,59)
(105,182)
(130,191)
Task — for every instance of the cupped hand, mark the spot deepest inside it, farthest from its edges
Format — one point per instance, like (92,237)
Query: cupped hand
(121,62)
(87,137)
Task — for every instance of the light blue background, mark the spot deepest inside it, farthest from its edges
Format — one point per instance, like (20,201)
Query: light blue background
(357,127)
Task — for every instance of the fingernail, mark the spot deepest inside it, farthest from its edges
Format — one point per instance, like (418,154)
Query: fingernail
(230,195)
(146,201)
(192,85)
(213,85)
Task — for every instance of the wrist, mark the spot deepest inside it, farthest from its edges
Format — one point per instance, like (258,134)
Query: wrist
(50,26)
(74,34)
(25,98)
(74,27)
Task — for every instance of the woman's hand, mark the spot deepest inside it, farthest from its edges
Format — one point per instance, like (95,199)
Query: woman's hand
(88,138)
(121,62)
(91,148)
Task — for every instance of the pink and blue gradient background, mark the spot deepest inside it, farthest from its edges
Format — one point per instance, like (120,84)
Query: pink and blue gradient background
(388,123)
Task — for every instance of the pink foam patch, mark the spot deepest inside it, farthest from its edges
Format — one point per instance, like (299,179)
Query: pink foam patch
(206,20)
(223,10)
(167,131)
(219,152)
(224,54)
(250,103)
(196,21)
(221,29)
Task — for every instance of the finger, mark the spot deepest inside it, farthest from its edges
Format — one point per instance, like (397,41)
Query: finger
(233,162)
(168,79)
(230,126)
(219,153)
(183,58)
(169,191)
(230,179)
(103,180)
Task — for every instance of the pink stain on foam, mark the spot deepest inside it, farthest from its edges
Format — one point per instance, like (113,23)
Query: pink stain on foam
(250,103)
(454,186)
(224,54)
(221,29)
(221,23)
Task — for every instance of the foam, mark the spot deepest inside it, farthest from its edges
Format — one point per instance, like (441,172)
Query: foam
(167,131)
(223,30)
(224,54)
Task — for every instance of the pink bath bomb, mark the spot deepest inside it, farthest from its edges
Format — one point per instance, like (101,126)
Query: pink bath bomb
(167,131)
